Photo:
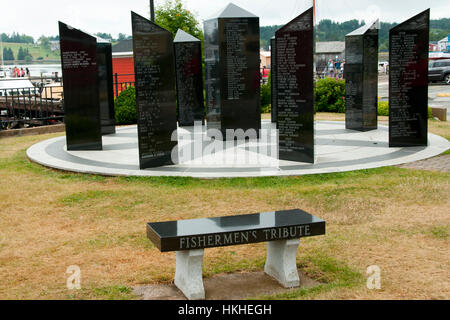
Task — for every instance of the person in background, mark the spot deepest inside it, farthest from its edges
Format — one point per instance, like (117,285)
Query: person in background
(338,68)
(265,75)
(22,73)
(330,68)
(27,72)
(343,69)
(16,72)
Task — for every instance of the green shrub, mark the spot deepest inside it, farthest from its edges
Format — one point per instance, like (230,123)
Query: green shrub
(383,109)
(330,95)
(125,107)
(266,98)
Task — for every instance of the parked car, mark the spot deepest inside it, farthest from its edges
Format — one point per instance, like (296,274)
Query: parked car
(439,70)
(383,67)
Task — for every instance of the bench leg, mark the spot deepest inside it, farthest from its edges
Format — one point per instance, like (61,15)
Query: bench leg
(188,275)
(281,262)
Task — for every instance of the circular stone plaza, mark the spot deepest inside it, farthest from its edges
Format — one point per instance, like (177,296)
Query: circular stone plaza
(337,150)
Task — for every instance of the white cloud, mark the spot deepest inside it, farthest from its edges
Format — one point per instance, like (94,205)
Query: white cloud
(41,17)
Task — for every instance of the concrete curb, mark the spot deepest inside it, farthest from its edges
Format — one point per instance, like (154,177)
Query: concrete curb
(32,131)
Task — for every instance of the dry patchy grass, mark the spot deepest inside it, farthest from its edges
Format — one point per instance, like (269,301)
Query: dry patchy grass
(395,218)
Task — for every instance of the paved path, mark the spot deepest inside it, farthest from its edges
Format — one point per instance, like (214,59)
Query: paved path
(438,94)
(337,150)
(441,163)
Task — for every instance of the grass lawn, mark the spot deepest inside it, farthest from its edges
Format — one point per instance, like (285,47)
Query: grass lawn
(395,218)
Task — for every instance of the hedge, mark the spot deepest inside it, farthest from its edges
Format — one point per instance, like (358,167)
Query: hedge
(125,107)
(383,109)
(330,95)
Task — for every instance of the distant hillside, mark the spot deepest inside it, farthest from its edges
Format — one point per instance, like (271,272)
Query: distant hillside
(328,30)
(39,53)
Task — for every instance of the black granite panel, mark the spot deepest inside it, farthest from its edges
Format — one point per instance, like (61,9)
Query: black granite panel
(212,74)
(155,92)
(81,98)
(408,82)
(232,75)
(273,79)
(106,89)
(361,75)
(188,62)
(235,230)
(370,84)
(295,86)
(240,74)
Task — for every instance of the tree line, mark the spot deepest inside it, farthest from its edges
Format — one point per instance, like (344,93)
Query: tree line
(16,38)
(173,15)
(23,54)
(328,30)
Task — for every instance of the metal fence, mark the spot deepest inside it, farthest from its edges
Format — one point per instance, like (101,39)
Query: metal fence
(43,104)
(122,82)
(39,105)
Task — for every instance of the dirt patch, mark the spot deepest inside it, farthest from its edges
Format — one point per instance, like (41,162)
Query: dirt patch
(236,286)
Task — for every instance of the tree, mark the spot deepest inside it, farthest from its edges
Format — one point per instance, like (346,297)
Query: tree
(11,54)
(172,15)
(121,36)
(24,54)
(21,55)
(45,42)
(106,36)
(8,54)
(16,38)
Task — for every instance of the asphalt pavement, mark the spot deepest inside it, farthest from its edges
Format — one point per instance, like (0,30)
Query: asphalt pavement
(438,93)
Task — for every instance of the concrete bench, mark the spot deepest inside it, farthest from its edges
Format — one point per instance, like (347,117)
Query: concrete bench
(281,230)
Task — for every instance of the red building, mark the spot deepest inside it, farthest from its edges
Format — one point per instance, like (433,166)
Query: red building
(123,65)
(433,47)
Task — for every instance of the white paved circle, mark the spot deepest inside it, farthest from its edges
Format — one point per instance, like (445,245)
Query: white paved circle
(337,150)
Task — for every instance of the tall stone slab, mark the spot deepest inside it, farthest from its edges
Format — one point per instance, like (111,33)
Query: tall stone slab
(81,98)
(408,82)
(361,75)
(189,78)
(105,86)
(273,79)
(155,92)
(232,75)
(295,88)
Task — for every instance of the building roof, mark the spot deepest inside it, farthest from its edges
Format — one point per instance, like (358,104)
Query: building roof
(233,11)
(365,28)
(123,46)
(330,47)
(183,36)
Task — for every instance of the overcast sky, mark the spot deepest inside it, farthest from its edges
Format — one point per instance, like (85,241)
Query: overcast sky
(112,16)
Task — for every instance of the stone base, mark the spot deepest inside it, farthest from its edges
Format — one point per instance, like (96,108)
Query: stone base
(281,262)
(338,150)
(188,275)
